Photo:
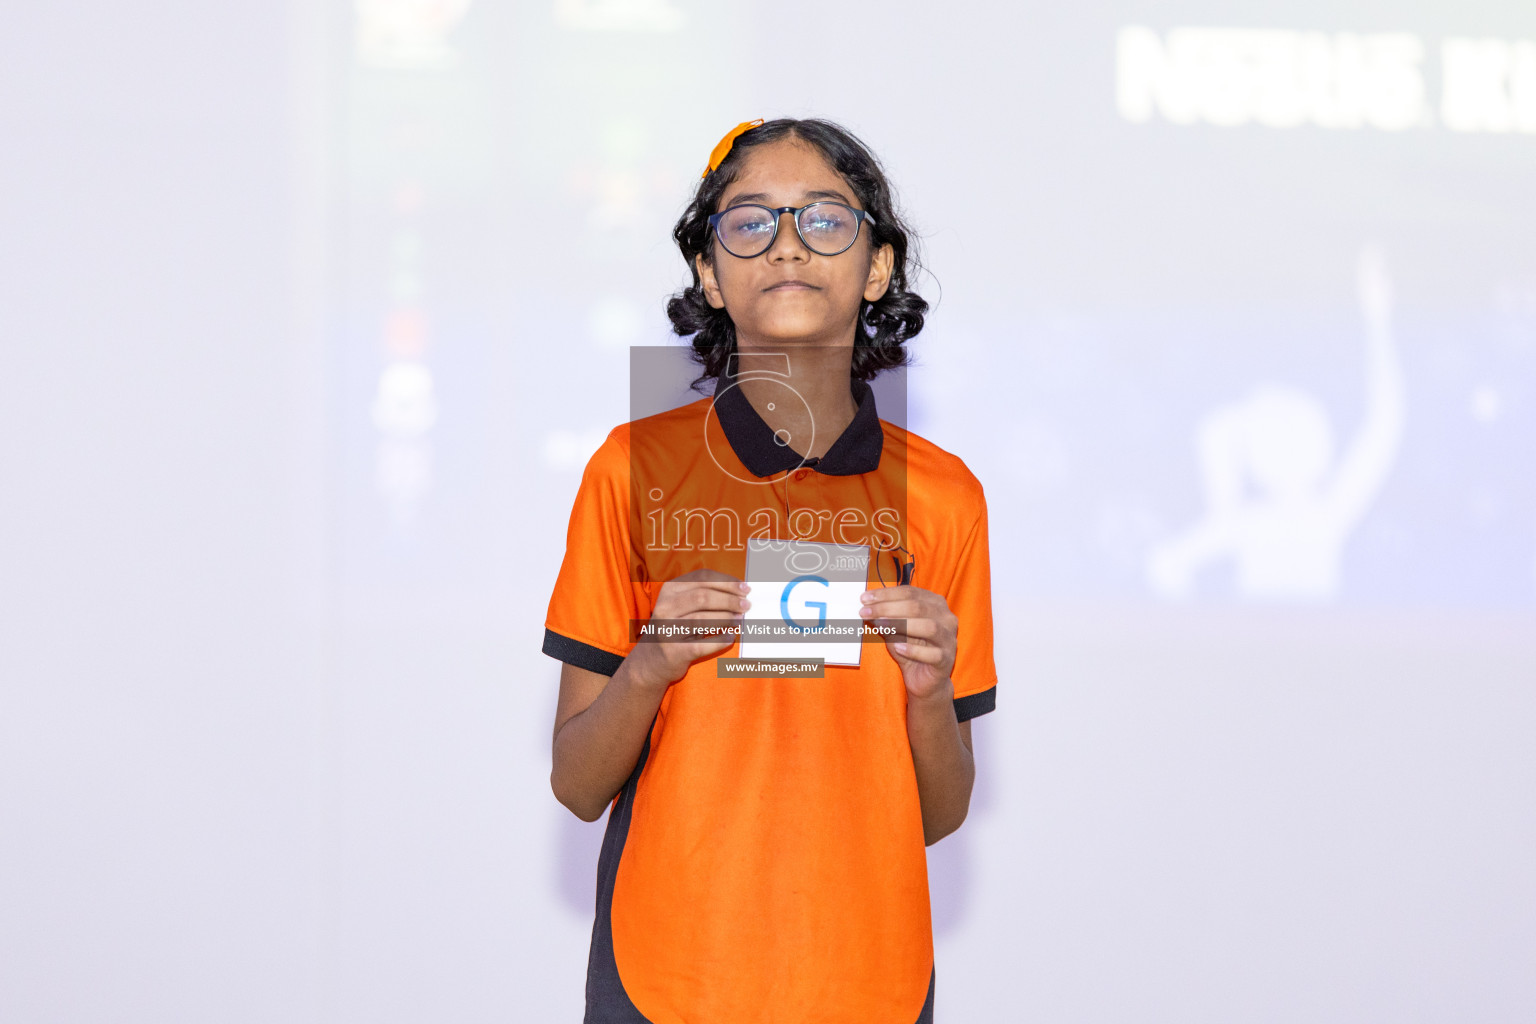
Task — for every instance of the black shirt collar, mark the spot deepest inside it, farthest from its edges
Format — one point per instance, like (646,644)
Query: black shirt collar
(856,451)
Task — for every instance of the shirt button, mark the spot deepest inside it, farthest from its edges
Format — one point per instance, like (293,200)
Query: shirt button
(801,474)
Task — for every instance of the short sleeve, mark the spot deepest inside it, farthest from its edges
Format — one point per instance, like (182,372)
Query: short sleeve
(970,598)
(594,597)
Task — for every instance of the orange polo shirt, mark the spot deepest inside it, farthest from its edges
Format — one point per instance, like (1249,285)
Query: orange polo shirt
(765,860)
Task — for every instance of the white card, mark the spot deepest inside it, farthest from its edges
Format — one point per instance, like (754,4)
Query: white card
(807,586)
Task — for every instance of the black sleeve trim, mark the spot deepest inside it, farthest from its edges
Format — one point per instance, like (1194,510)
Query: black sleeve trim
(967,708)
(574,652)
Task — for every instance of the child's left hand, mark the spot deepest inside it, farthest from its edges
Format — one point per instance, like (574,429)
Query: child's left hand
(926,649)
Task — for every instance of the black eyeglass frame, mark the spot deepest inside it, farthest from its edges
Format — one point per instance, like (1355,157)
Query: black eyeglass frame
(859,216)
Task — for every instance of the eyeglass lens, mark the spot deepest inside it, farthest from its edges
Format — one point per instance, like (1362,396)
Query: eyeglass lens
(827,229)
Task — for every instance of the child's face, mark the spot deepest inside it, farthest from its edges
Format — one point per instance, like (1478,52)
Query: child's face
(790,294)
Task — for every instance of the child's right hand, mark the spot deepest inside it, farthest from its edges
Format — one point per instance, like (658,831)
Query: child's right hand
(702,595)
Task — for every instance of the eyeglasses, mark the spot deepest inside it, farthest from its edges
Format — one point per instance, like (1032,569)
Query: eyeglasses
(826,228)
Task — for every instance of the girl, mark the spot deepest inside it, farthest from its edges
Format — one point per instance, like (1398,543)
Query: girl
(764,856)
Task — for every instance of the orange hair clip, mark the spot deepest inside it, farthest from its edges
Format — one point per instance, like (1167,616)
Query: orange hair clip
(723,147)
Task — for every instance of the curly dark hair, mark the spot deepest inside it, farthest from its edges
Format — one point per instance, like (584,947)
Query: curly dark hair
(888,323)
